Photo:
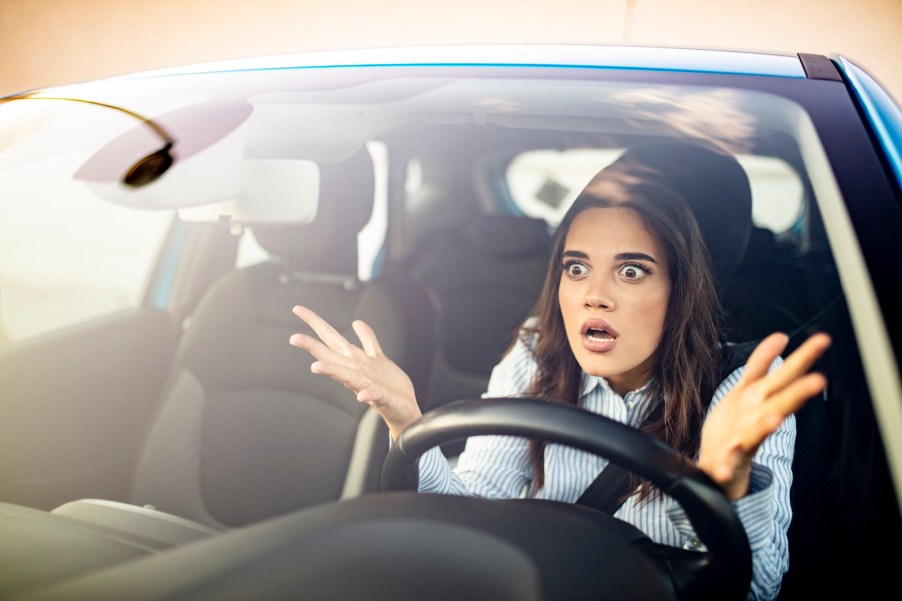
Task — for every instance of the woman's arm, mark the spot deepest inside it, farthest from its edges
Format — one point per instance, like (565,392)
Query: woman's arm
(748,442)
(491,466)
(765,510)
(755,407)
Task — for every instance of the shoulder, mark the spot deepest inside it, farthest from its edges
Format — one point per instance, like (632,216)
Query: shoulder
(523,347)
(517,368)
(734,357)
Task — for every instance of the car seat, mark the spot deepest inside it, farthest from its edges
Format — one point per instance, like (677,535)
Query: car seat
(770,290)
(483,278)
(717,189)
(245,431)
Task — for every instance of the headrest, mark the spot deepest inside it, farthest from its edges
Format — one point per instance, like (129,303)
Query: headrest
(716,188)
(329,243)
(508,235)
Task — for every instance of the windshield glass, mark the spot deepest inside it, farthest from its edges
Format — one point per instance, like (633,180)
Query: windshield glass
(116,162)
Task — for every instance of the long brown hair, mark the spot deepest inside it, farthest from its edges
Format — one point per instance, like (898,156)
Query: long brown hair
(688,354)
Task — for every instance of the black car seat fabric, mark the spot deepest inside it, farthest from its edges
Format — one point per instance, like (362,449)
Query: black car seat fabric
(717,189)
(246,431)
(777,288)
(484,278)
(762,271)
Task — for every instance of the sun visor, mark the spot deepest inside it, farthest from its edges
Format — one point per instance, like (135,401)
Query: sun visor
(269,191)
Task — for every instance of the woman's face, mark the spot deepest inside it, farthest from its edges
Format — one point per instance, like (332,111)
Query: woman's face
(613,294)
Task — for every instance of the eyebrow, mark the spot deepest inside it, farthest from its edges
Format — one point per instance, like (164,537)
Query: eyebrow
(631,256)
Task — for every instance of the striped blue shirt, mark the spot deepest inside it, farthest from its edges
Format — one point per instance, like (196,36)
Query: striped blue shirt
(498,467)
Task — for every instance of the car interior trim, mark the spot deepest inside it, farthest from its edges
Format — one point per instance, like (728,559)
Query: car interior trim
(874,343)
(358,467)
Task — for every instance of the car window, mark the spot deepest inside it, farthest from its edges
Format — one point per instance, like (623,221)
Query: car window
(544,183)
(51,279)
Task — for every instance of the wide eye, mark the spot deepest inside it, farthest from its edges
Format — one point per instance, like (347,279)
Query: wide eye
(633,272)
(575,269)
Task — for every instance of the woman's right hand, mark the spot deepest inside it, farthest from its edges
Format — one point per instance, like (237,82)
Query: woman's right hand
(374,378)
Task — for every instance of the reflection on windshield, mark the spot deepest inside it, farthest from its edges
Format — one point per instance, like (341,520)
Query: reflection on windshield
(75,155)
(705,114)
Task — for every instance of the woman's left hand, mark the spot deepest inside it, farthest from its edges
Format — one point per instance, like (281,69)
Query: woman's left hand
(755,408)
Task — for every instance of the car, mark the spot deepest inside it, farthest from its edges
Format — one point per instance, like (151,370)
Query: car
(160,439)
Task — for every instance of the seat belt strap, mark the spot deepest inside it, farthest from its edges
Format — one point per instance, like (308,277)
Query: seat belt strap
(608,491)
(610,488)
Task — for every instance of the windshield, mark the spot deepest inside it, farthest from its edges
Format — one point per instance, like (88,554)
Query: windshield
(127,157)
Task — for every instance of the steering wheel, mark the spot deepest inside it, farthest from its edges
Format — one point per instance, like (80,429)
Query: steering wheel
(723,571)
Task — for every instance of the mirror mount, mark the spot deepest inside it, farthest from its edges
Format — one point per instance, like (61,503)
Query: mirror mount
(147,169)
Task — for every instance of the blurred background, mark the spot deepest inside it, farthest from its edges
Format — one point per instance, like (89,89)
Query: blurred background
(52,42)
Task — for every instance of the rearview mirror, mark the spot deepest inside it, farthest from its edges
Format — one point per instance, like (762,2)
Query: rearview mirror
(270,191)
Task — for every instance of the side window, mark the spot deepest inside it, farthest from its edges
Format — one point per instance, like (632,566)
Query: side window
(544,183)
(64,262)
(777,192)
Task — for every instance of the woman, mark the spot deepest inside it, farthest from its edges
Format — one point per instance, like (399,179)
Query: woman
(628,318)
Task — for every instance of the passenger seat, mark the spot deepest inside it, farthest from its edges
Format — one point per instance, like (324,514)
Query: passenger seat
(245,431)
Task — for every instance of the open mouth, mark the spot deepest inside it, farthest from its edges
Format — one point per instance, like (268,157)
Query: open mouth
(598,329)
(599,335)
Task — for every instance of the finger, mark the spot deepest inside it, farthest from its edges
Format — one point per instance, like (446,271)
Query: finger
(317,348)
(761,358)
(344,375)
(794,396)
(797,364)
(367,338)
(778,408)
(323,329)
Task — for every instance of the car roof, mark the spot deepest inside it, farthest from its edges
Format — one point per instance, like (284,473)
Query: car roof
(579,56)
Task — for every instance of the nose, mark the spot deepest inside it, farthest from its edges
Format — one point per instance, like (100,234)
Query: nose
(599,295)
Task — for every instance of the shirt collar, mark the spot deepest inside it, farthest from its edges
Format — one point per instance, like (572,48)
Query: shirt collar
(589,383)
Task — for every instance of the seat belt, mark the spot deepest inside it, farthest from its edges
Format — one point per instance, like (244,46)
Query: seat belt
(612,485)
(609,489)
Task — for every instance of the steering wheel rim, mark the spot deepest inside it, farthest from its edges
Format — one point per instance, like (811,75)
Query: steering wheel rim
(707,508)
